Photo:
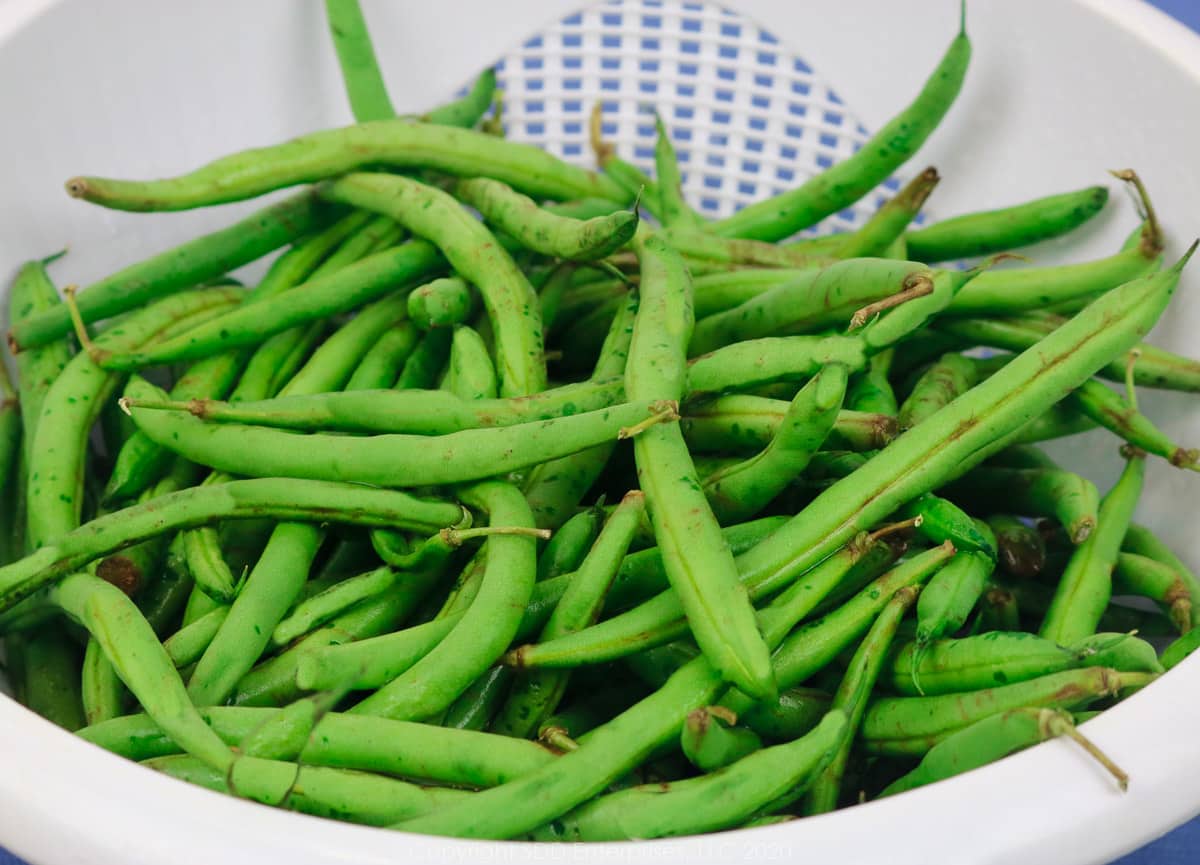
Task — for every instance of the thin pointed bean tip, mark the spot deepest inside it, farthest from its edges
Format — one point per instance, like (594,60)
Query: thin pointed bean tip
(1178,266)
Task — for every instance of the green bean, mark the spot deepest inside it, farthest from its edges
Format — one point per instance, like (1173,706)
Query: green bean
(844,183)
(817,298)
(319,298)
(566,550)
(347,741)
(710,741)
(1021,549)
(1140,540)
(1057,422)
(888,223)
(471,375)
(949,378)
(190,264)
(672,206)
(1155,367)
(141,662)
(396,143)
(552,292)
(389,460)
(871,391)
(625,175)
(993,658)
(426,362)
(32,293)
(466,111)
(911,309)
(444,302)
(101,690)
(474,253)
(330,603)
(698,564)
(273,682)
(761,361)
(852,694)
(719,800)
(1181,648)
(50,661)
(659,620)
(189,643)
(380,366)
(948,600)
(374,662)
(1110,410)
(942,520)
(536,695)
(1086,585)
(486,628)
(537,229)
(478,704)
(1140,575)
(1120,651)
(70,407)
(986,741)
(740,490)
(741,422)
(1069,498)
(991,231)
(910,726)
(356,56)
(277,497)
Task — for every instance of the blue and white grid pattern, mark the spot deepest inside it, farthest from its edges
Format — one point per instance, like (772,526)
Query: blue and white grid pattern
(748,117)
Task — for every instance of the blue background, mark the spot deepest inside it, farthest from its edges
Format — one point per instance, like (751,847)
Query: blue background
(1181,847)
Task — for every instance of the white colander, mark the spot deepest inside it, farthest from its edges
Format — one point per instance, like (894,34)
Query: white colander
(1059,91)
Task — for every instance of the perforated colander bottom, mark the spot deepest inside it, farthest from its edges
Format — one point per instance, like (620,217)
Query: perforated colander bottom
(749,118)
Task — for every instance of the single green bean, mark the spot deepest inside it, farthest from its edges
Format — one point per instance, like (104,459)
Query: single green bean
(356,56)
(742,422)
(710,741)
(949,378)
(1140,540)
(444,302)
(871,391)
(844,183)
(466,111)
(329,153)
(1141,575)
(769,359)
(1069,498)
(567,548)
(888,223)
(470,375)
(991,231)
(51,672)
(189,643)
(1086,585)
(1110,410)
(673,209)
(942,520)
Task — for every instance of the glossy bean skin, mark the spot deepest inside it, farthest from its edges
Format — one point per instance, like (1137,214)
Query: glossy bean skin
(568,547)
(444,302)
(979,744)
(142,663)
(541,230)
(1086,584)
(470,375)
(743,422)
(871,390)
(536,695)
(950,597)
(333,152)
(391,460)
(1140,540)
(710,743)
(910,726)
(698,563)
(815,299)
(852,695)
(741,490)
(770,359)
(941,520)
(711,802)
(1141,575)
(1110,410)
(847,181)
(198,505)
(382,365)
(486,628)
(419,751)
(190,264)
(952,376)
(1069,498)
(360,70)
(73,402)
(888,223)
(1007,228)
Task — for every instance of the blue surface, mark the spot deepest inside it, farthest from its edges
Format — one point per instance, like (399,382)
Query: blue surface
(1181,847)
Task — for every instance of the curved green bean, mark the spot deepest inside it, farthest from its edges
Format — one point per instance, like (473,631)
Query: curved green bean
(356,56)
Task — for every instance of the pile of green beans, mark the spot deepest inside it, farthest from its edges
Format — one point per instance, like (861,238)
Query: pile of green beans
(358,556)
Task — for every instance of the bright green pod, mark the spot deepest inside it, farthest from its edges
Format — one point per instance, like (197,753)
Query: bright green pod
(871,391)
(1110,410)
(1148,578)
(992,231)
(743,422)
(1065,496)
(888,223)
(753,362)
(445,302)
(950,377)
(711,742)
(673,209)
(941,520)
(360,70)
(844,183)
(471,375)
